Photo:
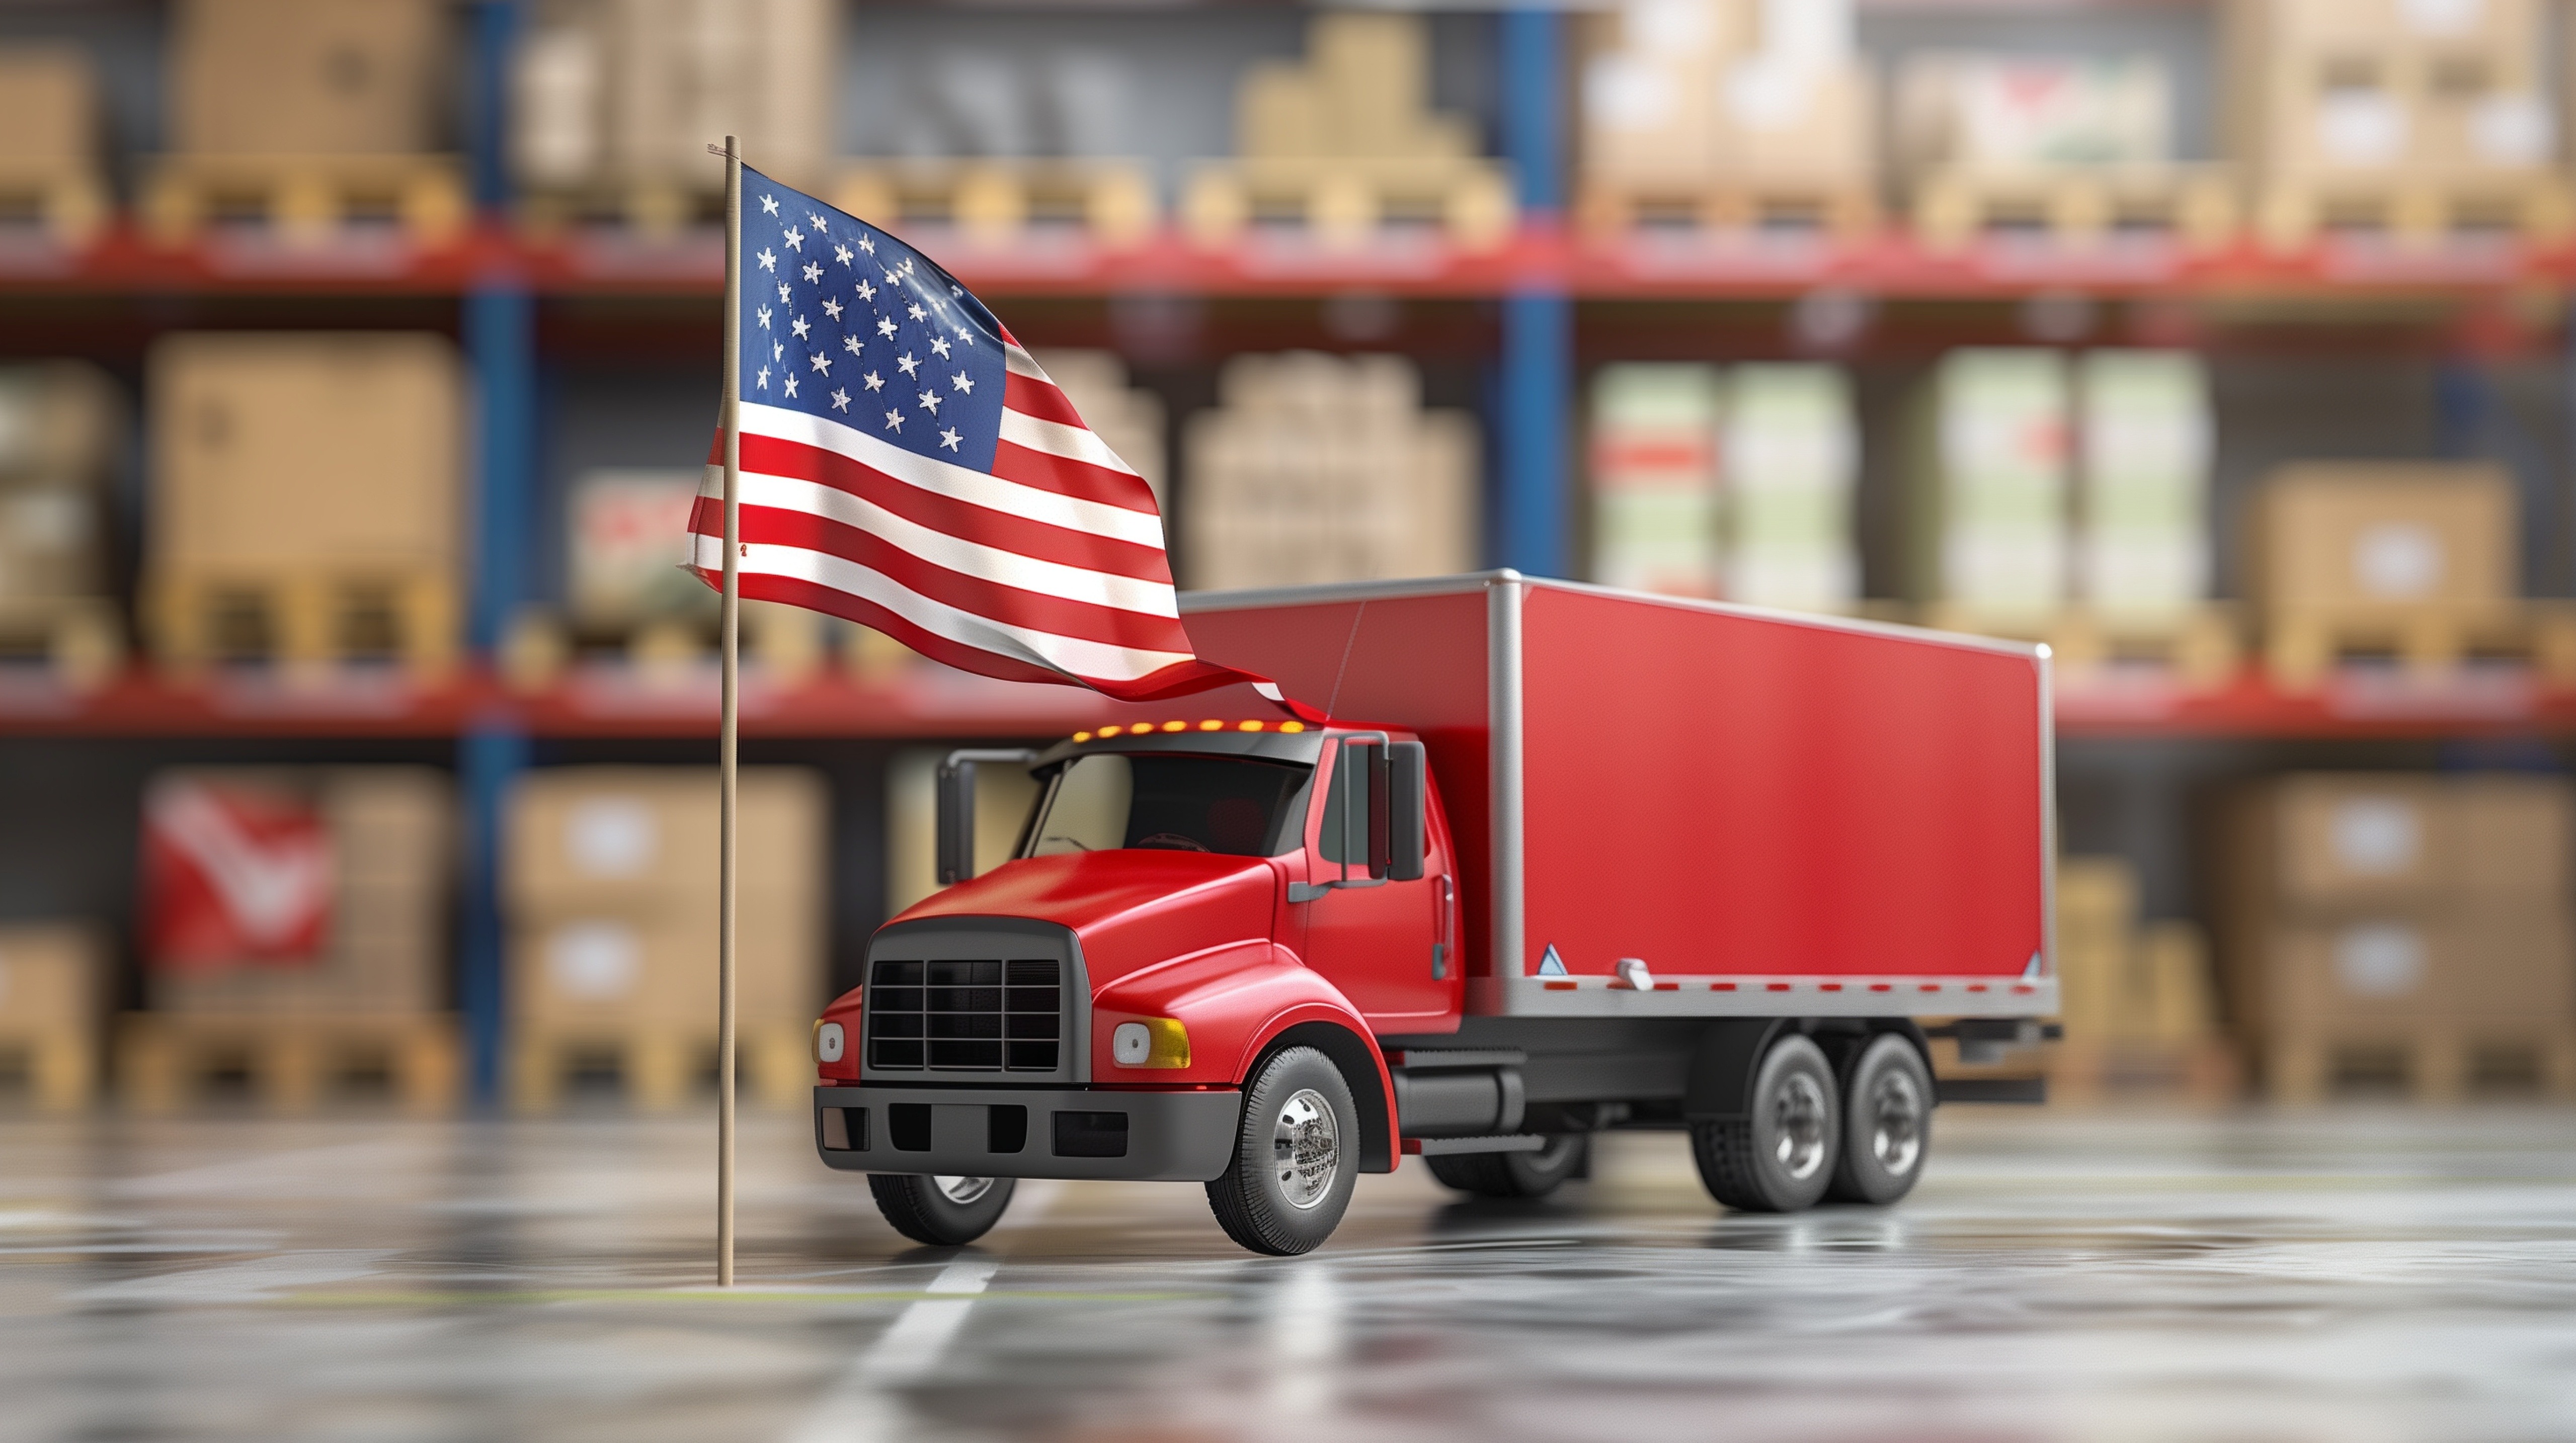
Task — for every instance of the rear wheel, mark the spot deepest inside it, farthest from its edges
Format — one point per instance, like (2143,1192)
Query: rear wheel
(941,1211)
(1296,1158)
(1513,1174)
(1887,1123)
(1781,1157)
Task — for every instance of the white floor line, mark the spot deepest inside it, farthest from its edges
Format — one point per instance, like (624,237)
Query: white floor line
(858,1407)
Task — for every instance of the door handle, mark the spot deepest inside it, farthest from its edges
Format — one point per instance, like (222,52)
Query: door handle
(1445,897)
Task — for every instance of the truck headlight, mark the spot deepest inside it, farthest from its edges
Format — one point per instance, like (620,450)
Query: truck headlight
(829,1042)
(1154,1042)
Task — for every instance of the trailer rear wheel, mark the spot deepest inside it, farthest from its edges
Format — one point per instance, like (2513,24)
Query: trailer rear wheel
(1887,1123)
(1513,1174)
(1781,1156)
(944,1212)
(1296,1157)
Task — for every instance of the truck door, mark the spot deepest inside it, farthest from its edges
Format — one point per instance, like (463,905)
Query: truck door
(1375,938)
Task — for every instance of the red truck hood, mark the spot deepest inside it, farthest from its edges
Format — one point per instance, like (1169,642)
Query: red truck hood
(1131,908)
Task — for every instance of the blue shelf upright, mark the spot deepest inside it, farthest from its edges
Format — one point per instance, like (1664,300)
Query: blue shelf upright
(1534,385)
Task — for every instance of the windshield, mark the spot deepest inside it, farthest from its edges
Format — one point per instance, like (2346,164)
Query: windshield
(1237,806)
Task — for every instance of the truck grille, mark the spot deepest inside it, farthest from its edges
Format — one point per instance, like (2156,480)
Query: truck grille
(965,1015)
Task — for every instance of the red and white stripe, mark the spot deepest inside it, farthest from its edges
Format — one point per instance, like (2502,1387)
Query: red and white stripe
(1050,567)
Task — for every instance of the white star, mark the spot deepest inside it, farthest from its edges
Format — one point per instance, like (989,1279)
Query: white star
(822,363)
(840,400)
(768,259)
(894,421)
(783,293)
(950,439)
(762,380)
(906,364)
(841,254)
(867,292)
(930,402)
(885,327)
(777,350)
(764,318)
(800,326)
(789,381)
(795,239)
(940,344)
(817,222)
(894,278)
(963,382)
(966,334)
(813,271)
(916,312)
(874,381)
(867,243)
(850,344)
(831,308)
(769,205)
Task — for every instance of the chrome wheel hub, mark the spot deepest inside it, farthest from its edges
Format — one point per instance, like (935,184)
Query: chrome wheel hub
(1895,1114)
(962,1189)
(1305,1148)
(1798,1126)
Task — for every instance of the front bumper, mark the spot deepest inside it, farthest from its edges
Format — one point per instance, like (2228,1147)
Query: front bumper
(1067,1132)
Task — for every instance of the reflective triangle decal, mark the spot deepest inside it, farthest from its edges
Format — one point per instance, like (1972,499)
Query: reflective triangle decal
(1551,965)
(2031,972)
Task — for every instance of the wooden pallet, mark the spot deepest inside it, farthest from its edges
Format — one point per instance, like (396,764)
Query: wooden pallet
(78,637)
(2201,1073)
(48,1069)
(2417,211)
(306,199)
(2078,207)
(996,202)
(654,208)
(1835,208)
(290,1063)
(656,1067)
(307,621)
(69,203)
(2302,646)
(2425,1062)
(2199,643)
(1346,203)
(786,644)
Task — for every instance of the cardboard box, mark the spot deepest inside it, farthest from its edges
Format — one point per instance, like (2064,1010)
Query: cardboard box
(392,843)
(576,971)
(1790,449)
(280,451)
(1986,514)
(2356,840)
(1655,498)
(639,840)
(308,77)
(632,91)
(52,980)
(2009,112)
(2404,974)
(2386,86)
(48,109)
(1362,90)
(2145,436)
(2380,538)
(62,423)
(2512,839)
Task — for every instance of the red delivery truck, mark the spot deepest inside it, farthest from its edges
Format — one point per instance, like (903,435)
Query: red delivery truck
(1564,859)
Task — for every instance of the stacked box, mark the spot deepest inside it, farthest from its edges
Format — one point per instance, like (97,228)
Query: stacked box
(53,982)
(2016,113)
(2388,88)
(631,92)
(1363,91)
(611,886)
(62,430)
(2423,916)
(307,77)
(2381,540)
(2146,437)
(1987,511)
(1317,468)
(1685,95)
(49,151)
(1129,419)
(1791,457)
(330,461)
(1655,478)
(391,837)
(2120,984)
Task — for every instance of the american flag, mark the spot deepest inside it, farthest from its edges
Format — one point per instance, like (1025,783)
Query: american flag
(906,465)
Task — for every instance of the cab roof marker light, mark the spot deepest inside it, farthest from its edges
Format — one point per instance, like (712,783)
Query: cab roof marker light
(1250,726)
(1176,726)
(1082,736)
(1211,726)
(1109,731)
(1292,726)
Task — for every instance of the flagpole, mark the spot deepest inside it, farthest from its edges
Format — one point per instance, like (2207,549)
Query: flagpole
(728,708)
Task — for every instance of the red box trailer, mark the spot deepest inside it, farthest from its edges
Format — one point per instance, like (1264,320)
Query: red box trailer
(1560,860)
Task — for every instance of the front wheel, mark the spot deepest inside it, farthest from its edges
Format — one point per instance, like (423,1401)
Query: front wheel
(945,1212)
(1781,1157)
(1887,1123)
(1513,1174)
(1296,1157)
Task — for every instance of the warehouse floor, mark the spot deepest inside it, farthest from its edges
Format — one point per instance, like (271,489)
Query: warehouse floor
(2341,1275)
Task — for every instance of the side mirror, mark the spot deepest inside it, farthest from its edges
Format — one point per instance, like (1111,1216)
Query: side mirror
(956,827)
(1403,793)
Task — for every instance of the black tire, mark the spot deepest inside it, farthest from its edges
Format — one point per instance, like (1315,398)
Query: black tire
(1296,1156)
(1782,1157)
(1887,1123)
(945,1212)
(1514,1174)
